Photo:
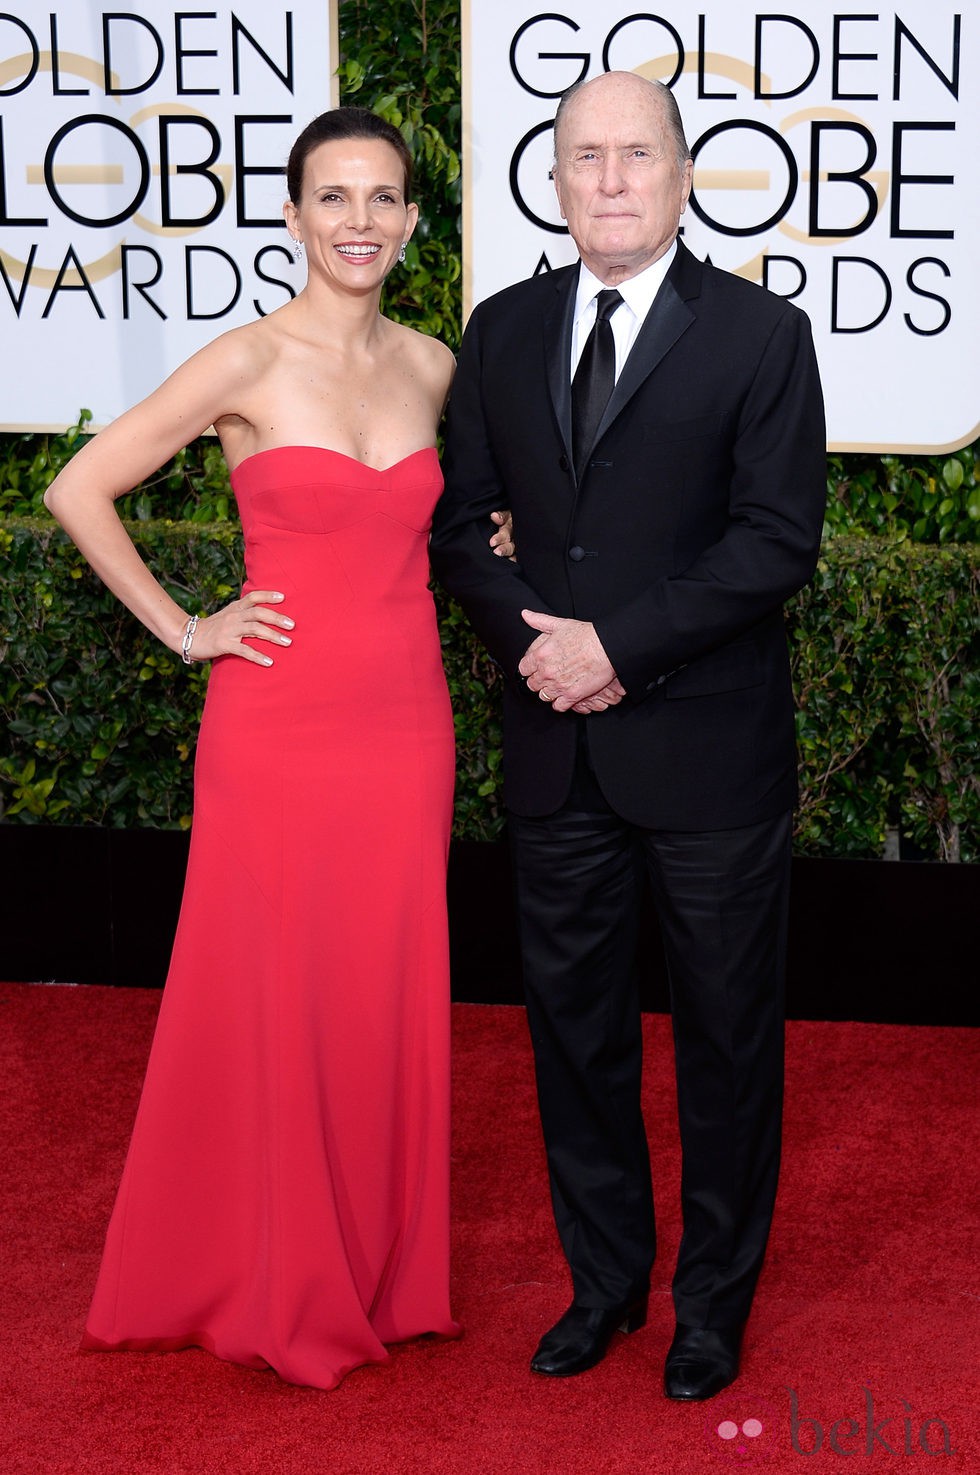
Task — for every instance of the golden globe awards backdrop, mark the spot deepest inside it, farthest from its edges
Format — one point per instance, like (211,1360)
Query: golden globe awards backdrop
(837,161)
(141,187)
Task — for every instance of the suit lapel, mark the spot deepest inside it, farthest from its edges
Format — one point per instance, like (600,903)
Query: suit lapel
(669,317)
(558,352)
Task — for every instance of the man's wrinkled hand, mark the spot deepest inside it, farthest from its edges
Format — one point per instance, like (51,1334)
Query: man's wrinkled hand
(609,696)
(566,664)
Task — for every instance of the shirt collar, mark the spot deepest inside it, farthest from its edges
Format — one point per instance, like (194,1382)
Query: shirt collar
(637,292)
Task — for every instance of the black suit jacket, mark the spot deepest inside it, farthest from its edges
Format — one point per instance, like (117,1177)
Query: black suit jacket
(698,513)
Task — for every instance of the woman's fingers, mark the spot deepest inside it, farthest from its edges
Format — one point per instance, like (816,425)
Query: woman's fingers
(250,618)
(258,601)
(502,542)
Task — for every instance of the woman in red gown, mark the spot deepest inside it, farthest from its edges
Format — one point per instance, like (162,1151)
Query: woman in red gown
(284,1202)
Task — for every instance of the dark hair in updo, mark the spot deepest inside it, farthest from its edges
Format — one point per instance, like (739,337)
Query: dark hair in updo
(341,123)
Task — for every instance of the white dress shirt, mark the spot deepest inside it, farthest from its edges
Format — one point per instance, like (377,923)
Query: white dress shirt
(637,292)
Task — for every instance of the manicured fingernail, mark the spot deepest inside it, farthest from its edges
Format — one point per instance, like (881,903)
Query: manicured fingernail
(277,596)
(267,660)
(285,640)
(289,624)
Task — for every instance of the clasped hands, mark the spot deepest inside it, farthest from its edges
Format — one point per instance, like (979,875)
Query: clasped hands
(567,666)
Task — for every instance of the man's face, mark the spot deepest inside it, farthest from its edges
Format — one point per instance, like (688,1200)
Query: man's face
(620,187)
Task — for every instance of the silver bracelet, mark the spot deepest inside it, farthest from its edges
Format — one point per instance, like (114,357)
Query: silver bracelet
(187,641)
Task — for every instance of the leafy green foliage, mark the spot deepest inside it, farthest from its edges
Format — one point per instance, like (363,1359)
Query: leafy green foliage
(101,719)
(475,691)
(885,644)
(930,499)
(193,487)
(30,463)
(402,60)
(937,672)
(840,639)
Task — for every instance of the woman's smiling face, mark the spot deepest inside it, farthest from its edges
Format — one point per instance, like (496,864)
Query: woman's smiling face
(352,216)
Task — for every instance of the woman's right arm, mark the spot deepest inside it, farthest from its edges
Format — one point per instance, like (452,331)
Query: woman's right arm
(82,498)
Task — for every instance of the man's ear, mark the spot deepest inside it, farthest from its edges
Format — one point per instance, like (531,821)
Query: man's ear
(686,184)
(557,184)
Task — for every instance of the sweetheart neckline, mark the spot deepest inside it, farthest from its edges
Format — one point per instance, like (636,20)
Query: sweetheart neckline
(377,470)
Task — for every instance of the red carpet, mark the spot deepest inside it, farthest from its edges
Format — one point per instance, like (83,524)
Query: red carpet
(862,1354)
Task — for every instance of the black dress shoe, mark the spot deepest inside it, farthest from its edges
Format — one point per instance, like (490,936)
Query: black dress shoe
(580,1338)
(702,1361)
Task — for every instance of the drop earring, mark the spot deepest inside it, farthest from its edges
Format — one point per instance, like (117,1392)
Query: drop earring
(297,250)
(401,254)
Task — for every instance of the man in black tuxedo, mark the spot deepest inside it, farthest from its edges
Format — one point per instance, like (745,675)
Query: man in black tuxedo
(662,448)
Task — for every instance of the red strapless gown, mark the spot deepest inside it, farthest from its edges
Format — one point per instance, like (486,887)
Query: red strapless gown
(285,1198)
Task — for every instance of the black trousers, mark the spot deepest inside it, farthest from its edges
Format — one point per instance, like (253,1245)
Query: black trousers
(722,900)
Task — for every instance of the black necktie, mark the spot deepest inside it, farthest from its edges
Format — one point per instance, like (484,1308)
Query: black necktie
(594,377)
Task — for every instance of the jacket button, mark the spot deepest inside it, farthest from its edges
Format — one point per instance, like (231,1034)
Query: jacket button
(564,462)
(576,554)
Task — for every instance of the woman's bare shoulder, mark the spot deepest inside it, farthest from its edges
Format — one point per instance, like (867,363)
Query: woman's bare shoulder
(428,356)
(246,349)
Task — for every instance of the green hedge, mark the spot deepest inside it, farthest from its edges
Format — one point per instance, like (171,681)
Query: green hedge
(885,644)
(928,499)
(925,499)
(101,718)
